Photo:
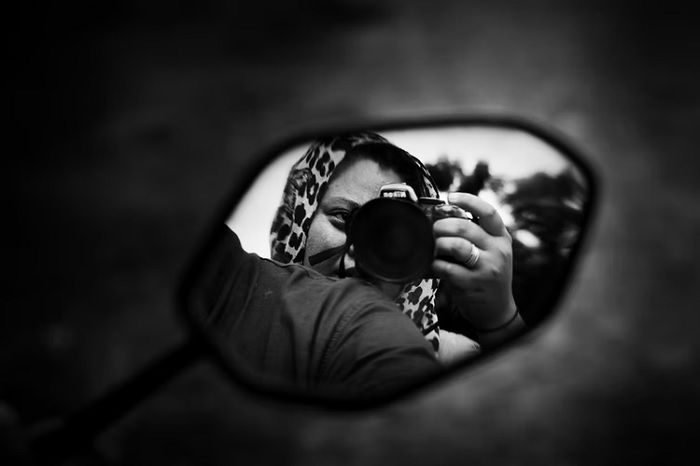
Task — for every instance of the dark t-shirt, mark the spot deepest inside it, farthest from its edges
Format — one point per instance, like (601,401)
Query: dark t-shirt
(291,323)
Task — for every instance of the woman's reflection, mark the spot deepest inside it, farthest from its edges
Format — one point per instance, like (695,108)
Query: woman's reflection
(341,173)
(296,320)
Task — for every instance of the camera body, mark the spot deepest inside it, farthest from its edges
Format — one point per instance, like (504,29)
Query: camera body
(392,235)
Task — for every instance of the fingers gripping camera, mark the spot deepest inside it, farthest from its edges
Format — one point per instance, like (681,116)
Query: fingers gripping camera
(392,235)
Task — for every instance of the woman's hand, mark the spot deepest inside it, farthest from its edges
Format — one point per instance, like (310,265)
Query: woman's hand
(482,290)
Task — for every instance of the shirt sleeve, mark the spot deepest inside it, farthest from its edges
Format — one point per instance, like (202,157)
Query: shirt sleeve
(293,325)
(376,350)
(228,275)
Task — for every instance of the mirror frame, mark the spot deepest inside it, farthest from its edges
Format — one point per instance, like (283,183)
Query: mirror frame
(274,390)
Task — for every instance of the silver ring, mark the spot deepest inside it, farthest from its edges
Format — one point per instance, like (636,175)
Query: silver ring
(473,257)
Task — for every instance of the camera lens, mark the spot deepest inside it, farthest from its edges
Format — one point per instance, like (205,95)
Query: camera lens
(393,240)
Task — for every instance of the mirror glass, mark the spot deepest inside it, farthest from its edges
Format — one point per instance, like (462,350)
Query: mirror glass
(282,326)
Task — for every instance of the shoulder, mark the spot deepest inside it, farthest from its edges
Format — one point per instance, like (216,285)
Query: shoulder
(349,301)
(375,321)
(375,349)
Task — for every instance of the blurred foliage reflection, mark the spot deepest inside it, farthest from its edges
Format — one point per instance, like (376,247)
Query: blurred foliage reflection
(544,215)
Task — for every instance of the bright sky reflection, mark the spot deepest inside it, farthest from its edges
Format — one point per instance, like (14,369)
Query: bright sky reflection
(511,154)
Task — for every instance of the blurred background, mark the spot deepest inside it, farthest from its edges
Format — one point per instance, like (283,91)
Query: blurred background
(131,124)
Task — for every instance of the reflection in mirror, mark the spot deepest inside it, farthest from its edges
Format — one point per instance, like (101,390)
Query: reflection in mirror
(414,286)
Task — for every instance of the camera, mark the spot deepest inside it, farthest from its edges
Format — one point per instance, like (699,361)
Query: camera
(392,235)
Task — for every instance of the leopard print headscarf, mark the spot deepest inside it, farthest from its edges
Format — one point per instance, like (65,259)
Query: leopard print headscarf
(306,185)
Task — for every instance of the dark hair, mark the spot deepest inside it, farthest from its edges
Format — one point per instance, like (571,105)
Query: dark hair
(388,157)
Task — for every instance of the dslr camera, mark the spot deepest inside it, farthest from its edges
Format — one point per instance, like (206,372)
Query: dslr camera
(392,235)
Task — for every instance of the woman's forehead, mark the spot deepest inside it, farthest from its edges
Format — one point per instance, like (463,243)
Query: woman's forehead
(360,181)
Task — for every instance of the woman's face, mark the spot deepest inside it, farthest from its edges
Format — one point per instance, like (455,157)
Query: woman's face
(358,183)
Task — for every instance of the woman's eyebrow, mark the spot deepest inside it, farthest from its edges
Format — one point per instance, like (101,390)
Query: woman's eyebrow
(337,201)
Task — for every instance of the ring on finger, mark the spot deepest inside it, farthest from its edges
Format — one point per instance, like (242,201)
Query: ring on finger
(473,258)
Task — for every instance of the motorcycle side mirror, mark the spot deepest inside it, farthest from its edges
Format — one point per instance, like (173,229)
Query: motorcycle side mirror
(275,334)
(342,343)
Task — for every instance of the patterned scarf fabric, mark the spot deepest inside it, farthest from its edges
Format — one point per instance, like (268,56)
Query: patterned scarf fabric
(306,185)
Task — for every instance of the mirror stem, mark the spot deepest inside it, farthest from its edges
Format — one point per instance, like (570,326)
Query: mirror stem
(66,437)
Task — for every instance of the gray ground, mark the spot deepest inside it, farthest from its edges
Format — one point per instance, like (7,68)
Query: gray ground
(154,115)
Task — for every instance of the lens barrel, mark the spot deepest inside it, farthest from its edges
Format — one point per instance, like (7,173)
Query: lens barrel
(393,240)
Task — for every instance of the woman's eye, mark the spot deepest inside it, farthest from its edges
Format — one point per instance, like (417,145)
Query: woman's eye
(338,217)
